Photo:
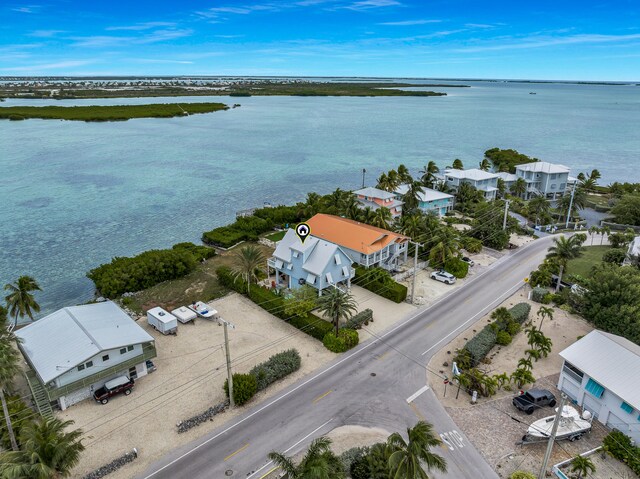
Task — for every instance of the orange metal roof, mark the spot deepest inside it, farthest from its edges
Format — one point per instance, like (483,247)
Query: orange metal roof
(352,234)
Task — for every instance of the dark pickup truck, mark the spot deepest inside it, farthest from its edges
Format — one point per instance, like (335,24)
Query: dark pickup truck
(121,384)
(533,399)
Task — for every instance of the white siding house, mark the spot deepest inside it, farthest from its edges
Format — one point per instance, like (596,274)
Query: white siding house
(481,180)
(600,373)
(544,179)
(75,350)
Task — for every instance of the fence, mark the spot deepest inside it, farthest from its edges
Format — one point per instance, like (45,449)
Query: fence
(409,272)
(619,227)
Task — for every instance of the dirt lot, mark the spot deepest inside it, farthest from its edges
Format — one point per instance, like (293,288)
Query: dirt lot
(191,371)
(494,425)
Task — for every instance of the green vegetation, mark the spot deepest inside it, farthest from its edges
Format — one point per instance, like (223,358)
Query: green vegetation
(248,262)
(522,475)
(591,257)
(20,301)
(108,113)
(356,321)
(147,269)
(379,281)
(337,305)
(276,367)
(506,160)
(277,236)
(245,386)
(346,339)
(622,448)
(583,466)
(20,415)
(627,210)
(457,267)
(319,462)
(565,249)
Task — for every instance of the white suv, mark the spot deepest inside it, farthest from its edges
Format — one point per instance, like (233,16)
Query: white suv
(443,276)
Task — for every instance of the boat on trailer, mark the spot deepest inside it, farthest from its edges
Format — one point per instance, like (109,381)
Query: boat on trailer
(572,426)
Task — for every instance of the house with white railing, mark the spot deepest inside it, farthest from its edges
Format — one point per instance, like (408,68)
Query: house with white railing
(544,179)
(481,180)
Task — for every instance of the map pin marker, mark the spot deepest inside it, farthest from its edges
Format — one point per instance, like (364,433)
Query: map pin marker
(303,230)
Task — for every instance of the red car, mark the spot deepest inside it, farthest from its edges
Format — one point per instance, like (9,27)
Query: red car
(121,384)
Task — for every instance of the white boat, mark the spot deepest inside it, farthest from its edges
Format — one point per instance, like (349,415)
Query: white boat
(203,310)
(572,425)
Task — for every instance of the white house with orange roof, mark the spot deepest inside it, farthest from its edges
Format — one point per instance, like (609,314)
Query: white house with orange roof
(366,245)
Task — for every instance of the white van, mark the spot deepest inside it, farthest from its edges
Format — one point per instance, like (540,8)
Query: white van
(162,321)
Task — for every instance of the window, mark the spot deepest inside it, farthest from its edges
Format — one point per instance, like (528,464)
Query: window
(562,186)
(553,176)
(295,254)
(81,367)
(553,186)
(105,357)
(337,259)
(329,278)
(89,364)
(129,348)
(594,388)
(345,271)
(573,372)
(626,407)
(123,351)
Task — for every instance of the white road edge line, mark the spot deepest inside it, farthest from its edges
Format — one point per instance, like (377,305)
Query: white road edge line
(415,395)
(333,366)
(286,451)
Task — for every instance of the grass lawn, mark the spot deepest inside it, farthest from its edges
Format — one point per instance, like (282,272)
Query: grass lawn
(277,236)
(201,285)
(598,200)
(591,257)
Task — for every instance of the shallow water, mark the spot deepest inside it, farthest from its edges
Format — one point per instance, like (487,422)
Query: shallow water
(74,194)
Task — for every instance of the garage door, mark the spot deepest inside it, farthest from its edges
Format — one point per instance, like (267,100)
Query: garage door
(614,422)
(570,389)
(77,396)
(591,404)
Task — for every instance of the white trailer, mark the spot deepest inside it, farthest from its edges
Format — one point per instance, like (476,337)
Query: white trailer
(162,321)
(184,314)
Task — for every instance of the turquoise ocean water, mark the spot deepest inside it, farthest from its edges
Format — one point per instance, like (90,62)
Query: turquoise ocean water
(73,195)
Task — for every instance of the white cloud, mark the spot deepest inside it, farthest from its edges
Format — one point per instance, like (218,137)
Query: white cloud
(27,9)
(48,66)
(404,23)
(152,60)
(142,26)
(45,33)
(541,42)
(370,4)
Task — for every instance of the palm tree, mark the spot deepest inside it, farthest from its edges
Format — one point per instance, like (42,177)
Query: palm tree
(583,466)
(311,206)
(20,301)
(544,312)
(9,368)
(247,260)
(412,226)
(589,182)
(394,180)
(411,198)
(351,207)
(367,215)
(593,231)
(518,188)
(403,174)
(383,218)
(335,200)
(539,207)
(407,460)
(485,165)
(429,172)
(383,182)
(318,463)
(48,451)
(502,187)
(447,246)
(457,164)
(579,201)
(337,305)
(467,194)
(605,230)
(564,250)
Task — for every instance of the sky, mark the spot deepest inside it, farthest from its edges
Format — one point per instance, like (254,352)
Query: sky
(588,40)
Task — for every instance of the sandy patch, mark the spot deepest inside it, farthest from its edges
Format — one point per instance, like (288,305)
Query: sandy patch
(520,240)
(563,330)
(461,226)
(345,437)
(189,378)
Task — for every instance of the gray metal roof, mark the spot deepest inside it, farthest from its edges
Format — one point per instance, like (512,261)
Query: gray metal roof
(374,193)
(474,174)
(543,167)
(427,194)
(60,341)
(610,360)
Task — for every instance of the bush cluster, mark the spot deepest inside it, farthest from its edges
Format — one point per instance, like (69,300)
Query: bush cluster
(276,367)
(271,302)
(147,269)
(621,447)
(456,267)
(279,215)
(614,255)
(20,415)
(356,321)
(480,345)
(247,228)
(245,386)
(380,282)
(521,475)
(520,312)
(538,294)
(346,339)
(472,245)
(503,338)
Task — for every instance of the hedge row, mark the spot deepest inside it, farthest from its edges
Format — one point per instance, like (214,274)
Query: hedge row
(480,345)
(347,339)
(147,269)
(276,367)
(621,447)
(379,281)
(356,321)
(271,302)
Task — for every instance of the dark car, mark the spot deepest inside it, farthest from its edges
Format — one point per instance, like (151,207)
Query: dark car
(121,384)
(533,399)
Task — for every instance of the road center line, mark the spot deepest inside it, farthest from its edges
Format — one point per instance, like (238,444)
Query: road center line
(322,395)
(238,451)
(269,472)
(415,395)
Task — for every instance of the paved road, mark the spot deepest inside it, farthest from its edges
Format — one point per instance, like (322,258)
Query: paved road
(369,386)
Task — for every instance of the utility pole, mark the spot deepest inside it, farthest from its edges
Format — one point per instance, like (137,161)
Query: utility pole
(506,209)
(12,436)
(415,269)
(228,354)
(363,172)
(573,192)
(552,438)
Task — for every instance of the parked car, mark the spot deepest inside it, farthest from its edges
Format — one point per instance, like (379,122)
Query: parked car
(150,366)
(121,384)
(443,276)
(467,260)
(534,398)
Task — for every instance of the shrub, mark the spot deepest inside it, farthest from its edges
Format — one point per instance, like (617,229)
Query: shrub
(356,321)
(245,387)
(503,338)
(540,277)
(347,339)
(456,267)
(480,345)
(538,294)
(276,367)
(199,252)
(513,328)
(621,447)
(522,475)
(547,298)
(379,281)
(142,271)
(351,456)
(558,299)
(614,255)
(279,215)
(471,245)
(312,325)
(520,312)
(246,228)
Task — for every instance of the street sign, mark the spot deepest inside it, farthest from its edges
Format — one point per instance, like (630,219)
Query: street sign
(526,280)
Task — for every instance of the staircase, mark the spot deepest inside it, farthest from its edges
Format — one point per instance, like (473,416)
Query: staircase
(40,397)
